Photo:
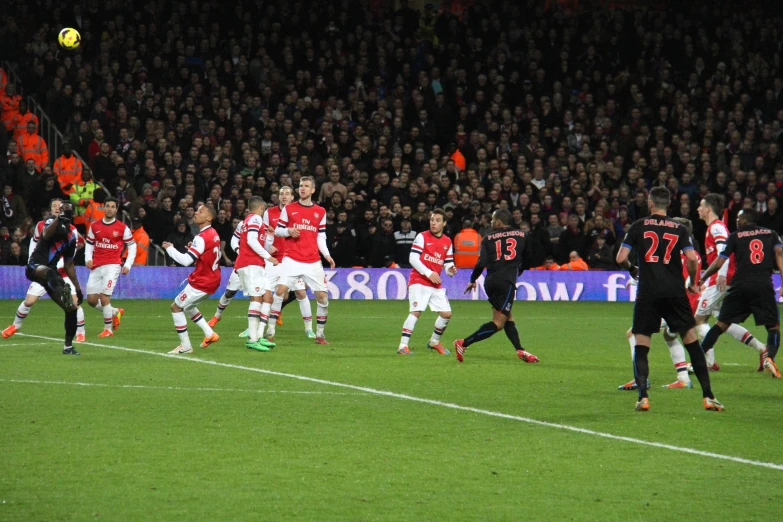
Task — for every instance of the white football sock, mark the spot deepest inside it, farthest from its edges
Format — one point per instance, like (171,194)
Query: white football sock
(277,305)
(677,353)
(181,324)
(21,315)
(745,337)
(222,305)
(632,342)
(197,318)
(253,320)
(440,327)
(407,329)
(265,309)
(108,324)
(80,320)
(307,313)
(322,313)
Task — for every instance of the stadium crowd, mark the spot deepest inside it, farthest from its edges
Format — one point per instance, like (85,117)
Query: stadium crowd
(565,118)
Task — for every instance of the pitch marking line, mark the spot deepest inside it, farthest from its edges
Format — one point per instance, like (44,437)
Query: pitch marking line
(432,402)
(168,388)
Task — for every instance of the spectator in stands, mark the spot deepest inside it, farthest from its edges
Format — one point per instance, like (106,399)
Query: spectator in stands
(342,245)
(22,118)
(32,146)
(95,210)
(142,242)
(574,262)
(549,264)
(80,197)
(68,169)
(403,240)
(28,180)
(180,238)
(15,256)
(571,239)
(12,208)
(773,217)
(383,245)
(600,255)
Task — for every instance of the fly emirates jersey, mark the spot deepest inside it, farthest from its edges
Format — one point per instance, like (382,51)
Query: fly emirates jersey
(433,252)
(205,251)
(271,219)
(310,221)
(717,235)
(252,225)
(107,240)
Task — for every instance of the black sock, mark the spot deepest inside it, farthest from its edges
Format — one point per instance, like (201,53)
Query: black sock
(773,343)
(485,331)
(699,364)
(291,297)
(513,334)
(711,338)
(70,328)
(641,369)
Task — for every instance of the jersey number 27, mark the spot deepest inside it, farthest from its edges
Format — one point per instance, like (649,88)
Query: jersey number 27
(671,239)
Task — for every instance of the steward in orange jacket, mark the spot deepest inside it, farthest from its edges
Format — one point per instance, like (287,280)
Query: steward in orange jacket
(31,146)
(467,244)
(575,262)
(22,117)
(549,264)
(9,101)
(68,169)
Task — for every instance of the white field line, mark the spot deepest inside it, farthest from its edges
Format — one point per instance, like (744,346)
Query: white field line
(177,388)
(450,405)
(2,344)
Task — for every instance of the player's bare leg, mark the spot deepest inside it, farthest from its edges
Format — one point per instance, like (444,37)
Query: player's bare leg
(306,311)
(223,303)
(440,326)
(21,314)
(699,362)
(181,325)
(407,330)
(322,314)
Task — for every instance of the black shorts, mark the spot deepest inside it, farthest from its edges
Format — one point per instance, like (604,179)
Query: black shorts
(500,295)
(676,311)
(741,301)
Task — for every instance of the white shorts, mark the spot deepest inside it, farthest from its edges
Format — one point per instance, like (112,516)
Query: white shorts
(420,296)
(189,297)
(252,279)
(710,301)
(234,284)
(39,291)
(273,278)
(103,279)
(312,274)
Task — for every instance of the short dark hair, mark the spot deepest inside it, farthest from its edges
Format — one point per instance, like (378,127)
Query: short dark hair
(660,197)
(107,200)
(440,212)
(751,215)
(99,196)
(504,216)
(715,202)
(255,202)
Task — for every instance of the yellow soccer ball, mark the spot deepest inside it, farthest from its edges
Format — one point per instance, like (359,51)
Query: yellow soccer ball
(69,38)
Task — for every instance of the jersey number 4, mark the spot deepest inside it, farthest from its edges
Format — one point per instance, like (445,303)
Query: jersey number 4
(650,256)
(510,248)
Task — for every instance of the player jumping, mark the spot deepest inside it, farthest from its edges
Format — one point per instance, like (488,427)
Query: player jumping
(662,295)
(431,251)
(717,284)
(502,253)
(58,240)
(204,252)
(103,256)
(757,251)
(36,291)
(304,224)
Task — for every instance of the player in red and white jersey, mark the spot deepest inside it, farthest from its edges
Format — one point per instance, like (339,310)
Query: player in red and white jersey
(676,349)
(36,291)
(204,252)
(430,253)
(103,256)
(304,224)
(250,264)
(277,245)
(717,285)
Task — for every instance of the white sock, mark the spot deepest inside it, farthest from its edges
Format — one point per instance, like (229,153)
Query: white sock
(440,327)
(181,324)
(80,320)
(407,329)
(253,320)
(277,305)
(745,337)
(21,315)
(701,331)
(222,305)
(632,342)
(307,313)
(265,309)
(197,318)
(322,312)
(677,352)
(107,319)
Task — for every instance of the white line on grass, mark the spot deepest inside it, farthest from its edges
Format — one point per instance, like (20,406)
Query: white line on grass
(22,344)
(178,388)
(449,405)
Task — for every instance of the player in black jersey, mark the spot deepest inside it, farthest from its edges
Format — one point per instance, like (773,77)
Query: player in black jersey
(58,241)
(502,253)
(658,242)
(757,251)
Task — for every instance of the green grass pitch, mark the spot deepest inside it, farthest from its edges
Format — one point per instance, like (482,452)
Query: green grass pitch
(126,435)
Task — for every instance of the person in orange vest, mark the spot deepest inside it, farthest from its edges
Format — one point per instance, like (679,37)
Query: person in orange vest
(95,210)
(80,197)
(457,157)
(142,243)
(10,103)
(467,244)
(549,264)
(68,169)
(574,262)
(31,146)
(22,117)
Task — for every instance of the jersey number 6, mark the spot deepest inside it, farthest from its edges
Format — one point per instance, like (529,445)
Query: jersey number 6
(511,248)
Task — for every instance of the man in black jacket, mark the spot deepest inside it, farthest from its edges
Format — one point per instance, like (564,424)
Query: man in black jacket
(539,244)
(382,245)
(343,245)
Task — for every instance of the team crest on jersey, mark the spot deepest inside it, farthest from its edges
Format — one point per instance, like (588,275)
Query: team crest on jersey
(415,303)
(115,233)
(317,215)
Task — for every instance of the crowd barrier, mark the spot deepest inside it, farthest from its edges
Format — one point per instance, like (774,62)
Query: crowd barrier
(367,283)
